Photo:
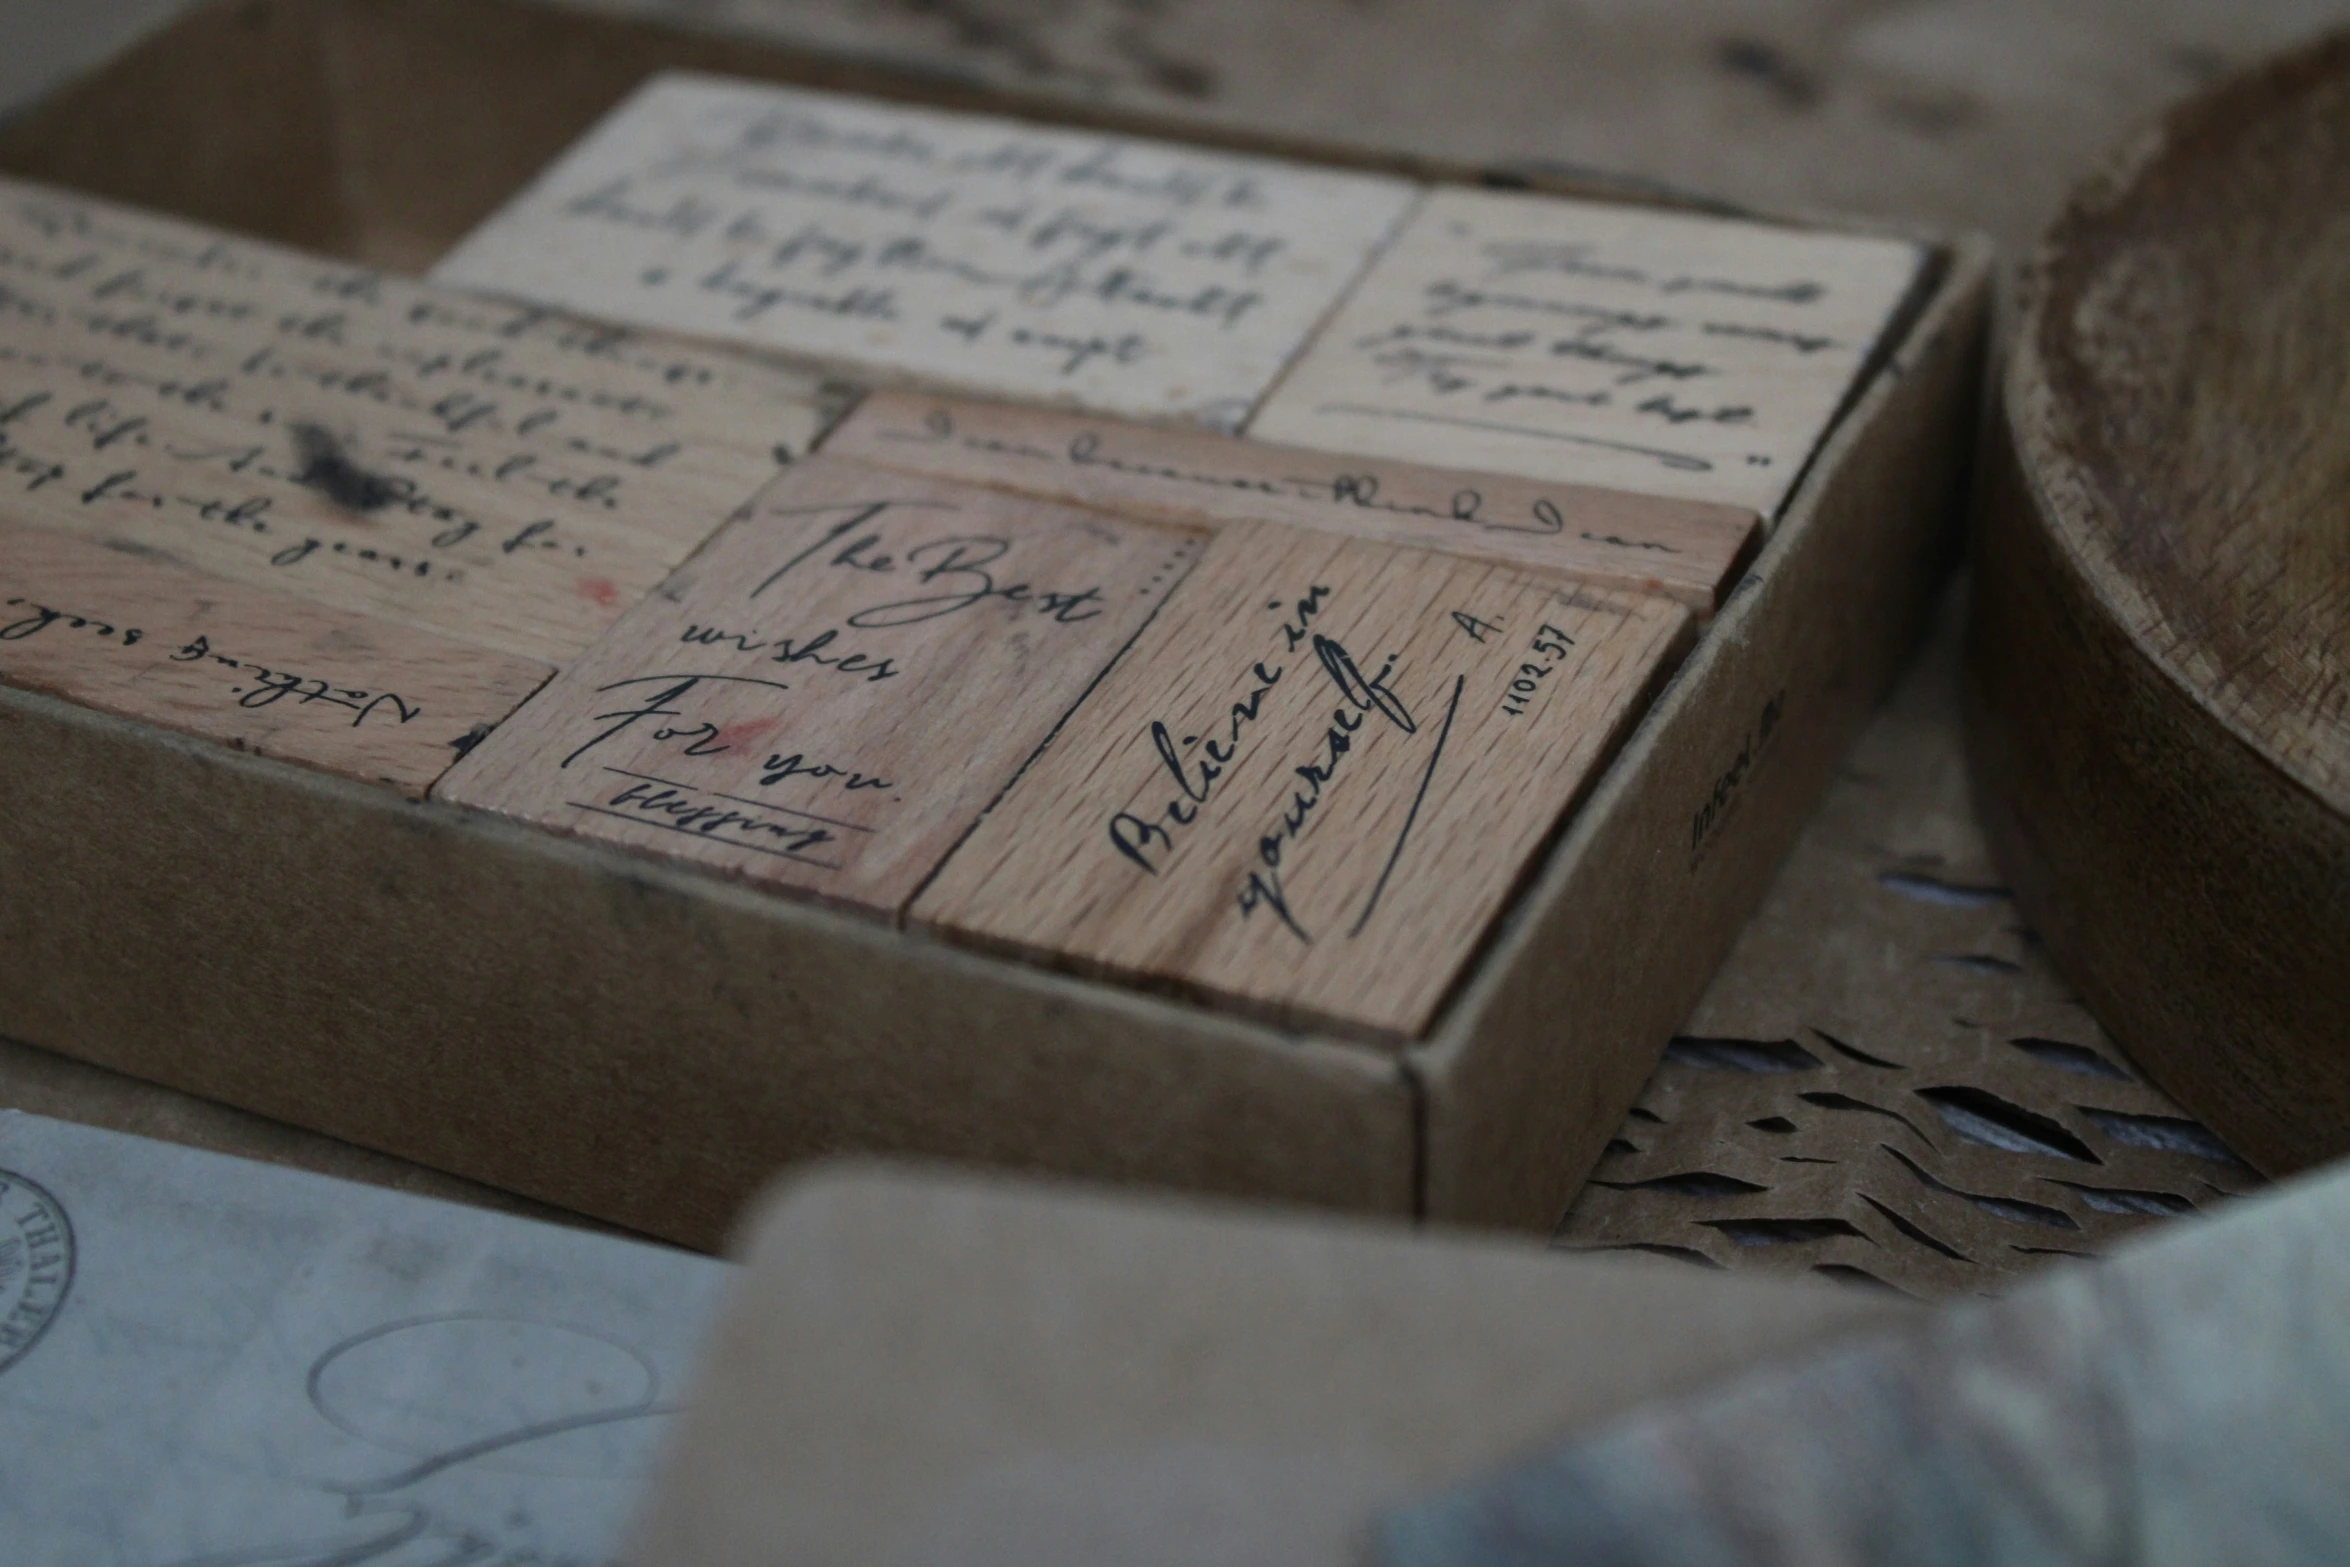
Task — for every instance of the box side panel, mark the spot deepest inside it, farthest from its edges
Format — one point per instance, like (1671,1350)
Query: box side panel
(435,984)
(1549,1044)
(222,117)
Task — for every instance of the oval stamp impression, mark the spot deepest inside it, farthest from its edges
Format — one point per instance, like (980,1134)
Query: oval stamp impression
(36,1264)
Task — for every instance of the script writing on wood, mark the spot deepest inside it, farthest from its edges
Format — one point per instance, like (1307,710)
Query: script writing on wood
(1606,345)
(1314,779)
(493,472)
(261,671)
(1686,550)
(1129,276)
(836,687)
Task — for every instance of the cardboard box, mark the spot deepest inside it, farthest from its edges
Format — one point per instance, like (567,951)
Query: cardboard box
(643,1043)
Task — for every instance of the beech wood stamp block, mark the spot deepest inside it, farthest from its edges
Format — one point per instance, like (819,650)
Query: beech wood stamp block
(1312,782)
(1597,344)
(1685,550)
(837,686)
(261,671)
(502,475)
(995,255)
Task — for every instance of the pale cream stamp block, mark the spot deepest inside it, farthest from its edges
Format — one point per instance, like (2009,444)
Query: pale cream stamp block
(1619,346)
(1126,276)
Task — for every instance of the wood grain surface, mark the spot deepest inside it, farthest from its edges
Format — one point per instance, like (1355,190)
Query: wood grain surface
(1310,784)
(494,473)
(262,671)
(1684,550)
(1663,352)
(827,697)
(2161,697)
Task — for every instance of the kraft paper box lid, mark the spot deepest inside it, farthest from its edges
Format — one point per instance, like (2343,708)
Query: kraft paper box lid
(927,1368)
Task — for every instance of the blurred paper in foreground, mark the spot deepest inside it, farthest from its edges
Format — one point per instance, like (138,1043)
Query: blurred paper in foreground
(207,1361)
(2186,1401)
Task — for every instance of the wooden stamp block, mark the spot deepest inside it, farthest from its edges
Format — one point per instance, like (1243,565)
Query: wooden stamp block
(493,472)
(830,694)
(261,671)
(1607,345)
(1311,784)
(1686,550)
(989,254)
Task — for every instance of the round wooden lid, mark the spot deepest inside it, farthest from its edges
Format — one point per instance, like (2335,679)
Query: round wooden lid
(2161,671)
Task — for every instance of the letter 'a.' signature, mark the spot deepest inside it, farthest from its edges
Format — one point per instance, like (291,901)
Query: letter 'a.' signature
(365,1387)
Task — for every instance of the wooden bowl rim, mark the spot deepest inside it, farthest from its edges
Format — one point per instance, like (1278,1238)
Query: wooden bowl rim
(2074,510)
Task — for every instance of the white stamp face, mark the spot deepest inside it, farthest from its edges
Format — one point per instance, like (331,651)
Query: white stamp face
(991,255)
(36,1264)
